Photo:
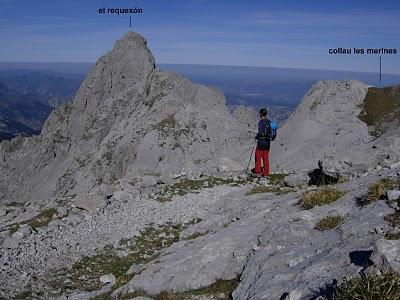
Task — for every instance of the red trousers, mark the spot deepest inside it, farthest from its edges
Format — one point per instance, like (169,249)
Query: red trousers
(262,155)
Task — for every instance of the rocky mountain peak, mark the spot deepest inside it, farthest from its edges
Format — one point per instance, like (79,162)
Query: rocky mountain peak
(329,126)
(128,64)
(127,119)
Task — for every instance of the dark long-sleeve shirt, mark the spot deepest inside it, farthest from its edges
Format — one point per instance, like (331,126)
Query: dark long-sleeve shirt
(264,135)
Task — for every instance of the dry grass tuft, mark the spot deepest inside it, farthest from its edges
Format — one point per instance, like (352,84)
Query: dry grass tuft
(369,287)
(328,223)
(321,197)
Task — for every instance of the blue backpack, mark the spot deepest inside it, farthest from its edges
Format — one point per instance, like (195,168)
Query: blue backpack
(274,129)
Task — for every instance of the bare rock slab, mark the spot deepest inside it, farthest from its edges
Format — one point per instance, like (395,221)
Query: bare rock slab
(386,254)
(393,195)
(90,202)
(109,278)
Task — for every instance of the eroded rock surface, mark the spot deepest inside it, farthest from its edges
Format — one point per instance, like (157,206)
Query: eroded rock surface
(128,119)
(326,127)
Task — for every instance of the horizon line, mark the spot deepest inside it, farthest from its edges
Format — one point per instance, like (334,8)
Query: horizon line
(208,65)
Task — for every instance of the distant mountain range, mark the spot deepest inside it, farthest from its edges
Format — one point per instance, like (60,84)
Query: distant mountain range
(34,89)
(50,88)
(28,97)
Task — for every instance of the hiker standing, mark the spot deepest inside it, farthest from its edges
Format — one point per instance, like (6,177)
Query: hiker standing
(266,134)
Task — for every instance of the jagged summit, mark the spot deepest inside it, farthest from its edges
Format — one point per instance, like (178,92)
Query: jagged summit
(130,62)
(126,120)
(132,36)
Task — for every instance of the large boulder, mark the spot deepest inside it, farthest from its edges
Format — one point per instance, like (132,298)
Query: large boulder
(22,232)
(393,195)
(297,180)
(386,254)
(90,202)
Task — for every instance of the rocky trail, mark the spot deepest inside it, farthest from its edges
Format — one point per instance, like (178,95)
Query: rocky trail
(265,239)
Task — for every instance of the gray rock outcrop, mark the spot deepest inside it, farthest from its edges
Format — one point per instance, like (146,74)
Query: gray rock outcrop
(393,195)
(247,115)
(127,119)
(90,202)
(326,127)
(386,254)
(297,180)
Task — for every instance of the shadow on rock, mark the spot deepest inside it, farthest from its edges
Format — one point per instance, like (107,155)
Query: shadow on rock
(321,177)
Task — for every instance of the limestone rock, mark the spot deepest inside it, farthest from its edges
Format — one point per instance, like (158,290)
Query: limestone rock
(189,266)
(247,116)
(11,242)
(294,295)
(128,119)
(109,278)
(393,195)
(90,202)
(386,254)
(22,232)
(325,127)
(296,180)
(226,165)
(62,211)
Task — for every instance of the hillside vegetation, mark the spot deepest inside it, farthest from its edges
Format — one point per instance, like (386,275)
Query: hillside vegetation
(381,106)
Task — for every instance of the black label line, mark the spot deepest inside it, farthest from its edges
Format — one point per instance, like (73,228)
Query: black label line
(380,68)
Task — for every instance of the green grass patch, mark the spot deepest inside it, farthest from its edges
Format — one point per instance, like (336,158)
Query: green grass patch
(277,178)
(379,189)
(369,287)
(85,273)
(14,228)
(187,186)
(196,235)
(220,289)
(167,122)
(329,222)
(262,189)
(343,179)
(43,219)
(24,295)
(393,219)
(321,197)
(132,295)
(279,190)
(392,236)
(381,106)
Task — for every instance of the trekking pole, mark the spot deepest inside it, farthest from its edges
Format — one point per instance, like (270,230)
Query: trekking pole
(251,154)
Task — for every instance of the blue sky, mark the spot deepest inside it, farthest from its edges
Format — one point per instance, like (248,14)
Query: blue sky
(249,32)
